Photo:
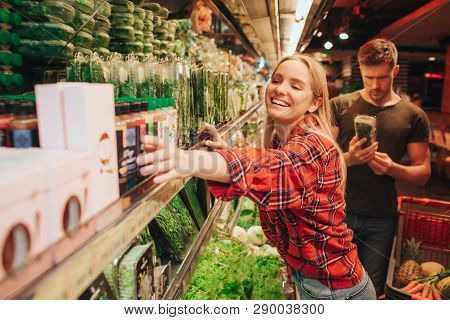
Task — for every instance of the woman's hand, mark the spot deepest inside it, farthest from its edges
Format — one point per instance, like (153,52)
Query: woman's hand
(165,160)
(217,142)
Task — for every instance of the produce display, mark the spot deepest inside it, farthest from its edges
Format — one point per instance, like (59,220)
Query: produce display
(427,280)
(228,271)
(189,196)
(173,229)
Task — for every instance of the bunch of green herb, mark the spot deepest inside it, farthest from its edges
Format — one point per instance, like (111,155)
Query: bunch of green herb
(172,229)
(190,197)
(186,222)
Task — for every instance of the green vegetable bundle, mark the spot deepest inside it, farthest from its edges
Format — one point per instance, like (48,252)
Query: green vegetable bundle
(226,271)
(189,197)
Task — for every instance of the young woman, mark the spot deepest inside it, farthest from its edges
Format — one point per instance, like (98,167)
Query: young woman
(297,181)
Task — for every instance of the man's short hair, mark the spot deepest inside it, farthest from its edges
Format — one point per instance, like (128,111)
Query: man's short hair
(377,51)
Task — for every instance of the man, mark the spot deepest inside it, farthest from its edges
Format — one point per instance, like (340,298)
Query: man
(401,126)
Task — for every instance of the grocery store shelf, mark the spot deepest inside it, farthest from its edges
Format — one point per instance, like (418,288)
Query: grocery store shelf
(227,130)
(80,258)
(224,14)
(181,273)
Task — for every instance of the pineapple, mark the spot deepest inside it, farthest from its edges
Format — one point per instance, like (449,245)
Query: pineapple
(409,269)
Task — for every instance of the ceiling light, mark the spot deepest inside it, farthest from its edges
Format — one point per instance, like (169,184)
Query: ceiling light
(328,45)
(319,34)
(343,36)
(431,58)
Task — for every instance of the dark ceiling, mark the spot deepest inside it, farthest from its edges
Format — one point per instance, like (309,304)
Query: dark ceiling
(362,20)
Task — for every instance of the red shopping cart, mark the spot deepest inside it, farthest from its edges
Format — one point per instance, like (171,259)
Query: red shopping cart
(425,220)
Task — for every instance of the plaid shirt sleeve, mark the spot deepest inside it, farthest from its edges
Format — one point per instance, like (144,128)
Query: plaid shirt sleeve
(274,179)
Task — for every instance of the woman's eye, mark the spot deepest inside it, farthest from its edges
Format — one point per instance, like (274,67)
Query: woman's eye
(296,87)
(275,81)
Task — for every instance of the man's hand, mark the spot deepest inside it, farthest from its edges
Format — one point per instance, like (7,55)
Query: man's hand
(217,142)
(164,160)
(356,155)
(381,164)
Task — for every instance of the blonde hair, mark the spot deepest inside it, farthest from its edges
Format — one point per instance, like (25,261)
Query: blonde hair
(322,115)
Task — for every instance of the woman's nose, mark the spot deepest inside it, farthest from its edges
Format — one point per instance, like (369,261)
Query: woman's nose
(281,89)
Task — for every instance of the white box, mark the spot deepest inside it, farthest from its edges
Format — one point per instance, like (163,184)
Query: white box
(90,127)
(22,212)
(66,190)
(49,107)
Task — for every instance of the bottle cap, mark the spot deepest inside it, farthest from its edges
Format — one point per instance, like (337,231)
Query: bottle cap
(4,16)
(16,60)
(14,39)
(5,80)
(4,36)
(23,107)
(5,58)
(17,79)
(14,2)
(15,19)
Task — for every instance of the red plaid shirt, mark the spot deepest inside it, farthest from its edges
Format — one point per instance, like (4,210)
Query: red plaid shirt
(301,204)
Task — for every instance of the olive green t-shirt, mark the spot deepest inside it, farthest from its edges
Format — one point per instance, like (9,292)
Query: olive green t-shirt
(397,125)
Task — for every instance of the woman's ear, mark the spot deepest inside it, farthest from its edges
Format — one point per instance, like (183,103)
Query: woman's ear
(316,105)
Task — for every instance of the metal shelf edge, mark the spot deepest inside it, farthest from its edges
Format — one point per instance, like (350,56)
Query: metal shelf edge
(221,10)
(182,274)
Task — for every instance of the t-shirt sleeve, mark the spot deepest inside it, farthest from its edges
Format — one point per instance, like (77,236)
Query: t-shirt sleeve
(335,111)
(420,128)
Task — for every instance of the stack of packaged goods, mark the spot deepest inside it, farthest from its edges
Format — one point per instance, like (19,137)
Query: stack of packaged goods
(161,32)
(148,32)
(139,17)
(49,36)
(183,38)
(161,47)
(102,27)
(84,24)
(152,20)
(122,28)
(9,41)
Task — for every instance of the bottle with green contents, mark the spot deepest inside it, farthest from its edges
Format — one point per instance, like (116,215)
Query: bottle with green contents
(7,58)
(9,79)
(171,119)
(160,119)
(150,118)
(9,38)
(4,16)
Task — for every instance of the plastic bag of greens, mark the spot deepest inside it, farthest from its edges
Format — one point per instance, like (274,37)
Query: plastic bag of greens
(136,274)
